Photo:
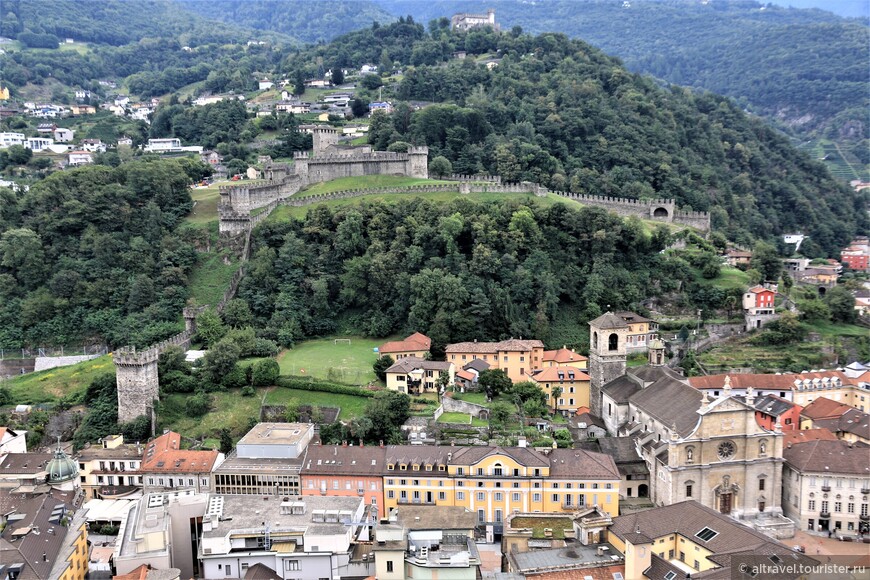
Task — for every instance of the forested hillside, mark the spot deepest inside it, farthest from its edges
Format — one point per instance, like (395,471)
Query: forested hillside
(95,254)
(802,69)
(117,22)
(560,112)
(307,21)
(456,271)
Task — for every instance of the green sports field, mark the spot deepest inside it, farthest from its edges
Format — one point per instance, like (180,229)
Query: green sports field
(325,358)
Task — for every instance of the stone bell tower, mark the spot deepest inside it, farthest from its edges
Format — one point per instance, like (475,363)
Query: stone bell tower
(608,335)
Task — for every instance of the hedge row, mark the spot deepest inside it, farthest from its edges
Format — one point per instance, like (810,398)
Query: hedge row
(309,384)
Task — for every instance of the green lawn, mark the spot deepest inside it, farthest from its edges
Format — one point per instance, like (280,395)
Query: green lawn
(729,278)
(54,384)
(453,417)
(324,359)
(206,202)
(476,398)
(367,182)
(232,411)
(211,277)
(537,525)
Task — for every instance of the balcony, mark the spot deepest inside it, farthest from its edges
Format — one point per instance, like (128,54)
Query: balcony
(403,500)
(864,518)
(826,488)
(825,515)
(865,490)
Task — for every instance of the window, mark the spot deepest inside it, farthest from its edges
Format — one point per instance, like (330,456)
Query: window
(761,484)
(481,496)
(838,506)
(555,498)
(671,574)
(498,496)
(498,515)
(522,359)
(697,566)
(537,497)
(460,471)
(442,496)
(497,469)
(390,562)
(229,569)
(481,515)
(706,535)
(515,497)
(811,505)
(391,494)
(850,507)
(479,471)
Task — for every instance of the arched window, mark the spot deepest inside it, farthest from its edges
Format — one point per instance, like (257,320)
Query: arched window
(613,342)
(594,340)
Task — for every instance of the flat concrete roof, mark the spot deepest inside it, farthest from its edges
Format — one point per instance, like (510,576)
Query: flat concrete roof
(276,434)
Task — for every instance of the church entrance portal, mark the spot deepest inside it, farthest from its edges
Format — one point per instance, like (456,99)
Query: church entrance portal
(725,503)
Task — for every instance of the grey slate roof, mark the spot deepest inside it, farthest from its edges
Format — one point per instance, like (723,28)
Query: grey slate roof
(477,364)
(410,363)
(834,457)
(671,402)
(621,389)
(580,463)
(522,455)
(771,405)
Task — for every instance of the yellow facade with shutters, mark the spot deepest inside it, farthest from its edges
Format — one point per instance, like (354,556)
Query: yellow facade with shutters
(495,487)
(78,560)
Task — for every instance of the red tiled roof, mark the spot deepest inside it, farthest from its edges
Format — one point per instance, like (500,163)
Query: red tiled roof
(164,455)
(414,342)
(562,355)
(763,381)
(511,345)
(759,289)
(464,374)
(824,408)
(552,374)
(820,434)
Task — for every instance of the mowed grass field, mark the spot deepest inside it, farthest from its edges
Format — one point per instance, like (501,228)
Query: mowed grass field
(206,202)
(325,359)
(55,384)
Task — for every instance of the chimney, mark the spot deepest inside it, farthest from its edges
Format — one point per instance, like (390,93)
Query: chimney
(381,443)
(343,444)
(44,557)
(361,444)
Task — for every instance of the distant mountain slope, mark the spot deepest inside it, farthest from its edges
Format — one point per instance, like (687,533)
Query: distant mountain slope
(117,22)
(309,21)
(806,69)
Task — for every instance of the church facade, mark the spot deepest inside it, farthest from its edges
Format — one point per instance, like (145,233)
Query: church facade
(712,451)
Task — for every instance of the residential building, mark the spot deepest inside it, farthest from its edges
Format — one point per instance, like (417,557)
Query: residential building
(566,387)
(62,135)
(265,84)
(712,451)
(758,307)
(110,469)
(465,379)
(847,423)
(37,144)
(146,572)
(492,482)
(633,471)
(414,375)
(127,141)
(78,110)
(798,388)
(416,345)
(584,425)
(294,107)
(826,486)
(9,139)
(36,542)
(165,466)
(426,542)
(689,539)
(770,410)
(641,331)
(171,145)
(381,106)
(24,471)
(856,256)
(93,145)
(466,21)
(12,441)
(342,471)
(824,275)
(314,537)
(46,128)
(268,460)
(564,357)
(211,99)
(82,94)
(516,357)
(735,257)
(157,532)
(80,158)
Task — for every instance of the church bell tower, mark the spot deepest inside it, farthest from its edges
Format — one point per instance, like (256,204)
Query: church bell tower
(608,335)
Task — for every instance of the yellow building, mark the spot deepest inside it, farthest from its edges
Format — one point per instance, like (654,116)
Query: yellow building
(416,345)
(640,331)
(516,357)
(72,561)
(567,388)
(493,482)
(564,357)
(110,470)
(686,538)
(414,375)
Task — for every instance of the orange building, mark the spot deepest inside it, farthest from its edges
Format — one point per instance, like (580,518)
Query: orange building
(564,357)
(416,345)
(516,357)
(567,388)
(340,471)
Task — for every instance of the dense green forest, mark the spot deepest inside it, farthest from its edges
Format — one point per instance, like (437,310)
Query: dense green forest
(456,271)
(801,69)
(307,21)
(562,113)
(117,23)
(96,254)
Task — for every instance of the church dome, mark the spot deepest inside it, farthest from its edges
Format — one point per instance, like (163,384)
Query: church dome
(61,468)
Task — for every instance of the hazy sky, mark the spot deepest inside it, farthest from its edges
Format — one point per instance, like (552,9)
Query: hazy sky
(841,7)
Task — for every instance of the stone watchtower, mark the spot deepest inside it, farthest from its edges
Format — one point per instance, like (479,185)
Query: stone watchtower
(607,339)
(138,387)
(323,137)
(418,162)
